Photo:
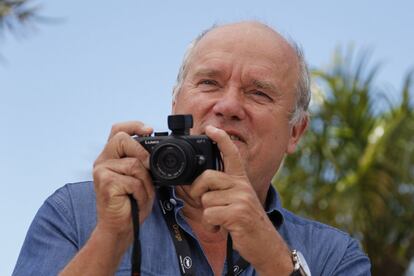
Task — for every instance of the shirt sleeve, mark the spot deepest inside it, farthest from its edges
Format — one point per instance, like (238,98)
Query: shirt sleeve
(51,241)
(354,261)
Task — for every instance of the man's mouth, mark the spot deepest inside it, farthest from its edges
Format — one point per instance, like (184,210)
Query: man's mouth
(235,137)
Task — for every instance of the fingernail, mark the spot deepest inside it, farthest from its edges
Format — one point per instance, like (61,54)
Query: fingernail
(146,127)
(212,128)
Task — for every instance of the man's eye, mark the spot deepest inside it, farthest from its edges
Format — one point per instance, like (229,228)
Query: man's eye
(260,94)
(207,82)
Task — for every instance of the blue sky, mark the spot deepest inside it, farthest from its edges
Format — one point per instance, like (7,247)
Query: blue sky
(64,85)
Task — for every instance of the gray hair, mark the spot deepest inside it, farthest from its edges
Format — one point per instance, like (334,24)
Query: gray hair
(303,91)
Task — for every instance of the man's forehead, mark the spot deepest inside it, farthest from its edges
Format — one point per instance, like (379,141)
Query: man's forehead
(244,32)
(248,43)
(245,28)
(246,38)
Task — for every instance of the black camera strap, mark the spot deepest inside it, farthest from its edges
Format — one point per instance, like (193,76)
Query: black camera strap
(136,247)
(182,246)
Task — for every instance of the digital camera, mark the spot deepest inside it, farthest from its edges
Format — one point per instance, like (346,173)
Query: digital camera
(178,158)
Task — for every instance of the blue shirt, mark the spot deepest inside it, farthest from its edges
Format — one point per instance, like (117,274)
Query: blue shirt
(66,219)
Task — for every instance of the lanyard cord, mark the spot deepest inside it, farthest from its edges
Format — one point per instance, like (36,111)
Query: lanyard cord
(136,247)
(229,256)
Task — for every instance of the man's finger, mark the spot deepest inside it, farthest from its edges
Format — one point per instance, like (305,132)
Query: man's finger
(217,198)
(131,128)
(216,216)
(231,156)
(132,167)
(113,194)
(209,180)
(122,145)
(109,184)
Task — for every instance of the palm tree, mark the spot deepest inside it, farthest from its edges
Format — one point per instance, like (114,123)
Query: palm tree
(355,168)
(15,14)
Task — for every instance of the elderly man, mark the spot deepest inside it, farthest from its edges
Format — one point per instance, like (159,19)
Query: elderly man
(248,90)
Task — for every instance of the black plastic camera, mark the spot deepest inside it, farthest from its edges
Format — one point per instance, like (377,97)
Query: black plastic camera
(178,158)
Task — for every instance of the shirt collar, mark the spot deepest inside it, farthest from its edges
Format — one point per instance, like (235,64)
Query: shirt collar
(273,207)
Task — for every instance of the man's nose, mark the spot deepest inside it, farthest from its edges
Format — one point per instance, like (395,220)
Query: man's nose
(230,105)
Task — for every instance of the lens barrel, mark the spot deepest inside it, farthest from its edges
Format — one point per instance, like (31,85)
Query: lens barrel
(169,161)
(172,160)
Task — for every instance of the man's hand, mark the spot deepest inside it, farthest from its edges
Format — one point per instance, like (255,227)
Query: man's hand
(121,169)
(230,201)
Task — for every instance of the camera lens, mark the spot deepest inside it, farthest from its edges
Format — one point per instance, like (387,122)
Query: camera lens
(169,161)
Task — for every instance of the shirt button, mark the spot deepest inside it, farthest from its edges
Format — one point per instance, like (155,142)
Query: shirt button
(173,201)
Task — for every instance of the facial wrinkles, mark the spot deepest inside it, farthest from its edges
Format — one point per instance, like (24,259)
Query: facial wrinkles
(235,76)
(238,58)
(239,68)
(231,73)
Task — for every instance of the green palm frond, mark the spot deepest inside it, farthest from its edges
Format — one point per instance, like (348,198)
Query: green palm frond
(355,169)
(17,15)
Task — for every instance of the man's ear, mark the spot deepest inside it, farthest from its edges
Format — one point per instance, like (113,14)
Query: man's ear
(296,133)
(174,99)
(173,105)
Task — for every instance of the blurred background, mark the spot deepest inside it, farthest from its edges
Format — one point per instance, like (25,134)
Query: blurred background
(70,69)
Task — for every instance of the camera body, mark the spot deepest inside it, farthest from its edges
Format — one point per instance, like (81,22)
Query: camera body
(178,158)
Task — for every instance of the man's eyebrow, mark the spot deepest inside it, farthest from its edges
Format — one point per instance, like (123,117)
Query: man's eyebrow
(206,72)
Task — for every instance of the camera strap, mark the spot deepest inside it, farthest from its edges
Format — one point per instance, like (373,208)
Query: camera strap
(182,245)
(136,247)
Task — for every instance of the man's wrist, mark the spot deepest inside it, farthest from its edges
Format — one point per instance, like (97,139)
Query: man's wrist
(281,263)
(100,255)
(116,241)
